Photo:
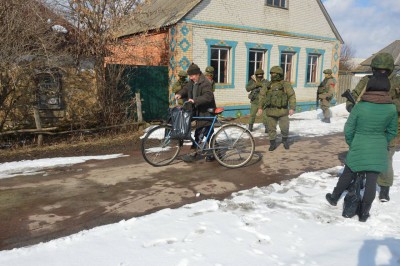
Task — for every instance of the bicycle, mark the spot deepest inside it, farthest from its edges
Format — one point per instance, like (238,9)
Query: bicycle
(232,145)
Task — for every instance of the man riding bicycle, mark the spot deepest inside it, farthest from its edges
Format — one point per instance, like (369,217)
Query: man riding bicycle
(199,92)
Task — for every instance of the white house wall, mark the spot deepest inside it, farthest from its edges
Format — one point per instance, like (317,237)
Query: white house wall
(302,26)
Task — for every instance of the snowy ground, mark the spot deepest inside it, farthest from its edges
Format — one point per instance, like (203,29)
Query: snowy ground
(282,224)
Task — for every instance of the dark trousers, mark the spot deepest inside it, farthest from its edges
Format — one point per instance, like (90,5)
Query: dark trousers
(202,132)
(370,184)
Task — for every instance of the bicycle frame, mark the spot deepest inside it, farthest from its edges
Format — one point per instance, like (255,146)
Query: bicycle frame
(215,120)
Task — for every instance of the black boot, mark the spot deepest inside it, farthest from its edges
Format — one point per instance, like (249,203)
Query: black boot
(332,198)
(285,143)
(272,145)
(326,120)
(384,194)
(251,127)
(363,214)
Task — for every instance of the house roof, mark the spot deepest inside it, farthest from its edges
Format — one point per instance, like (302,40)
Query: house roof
(158,14)
(163,13)
(393,49)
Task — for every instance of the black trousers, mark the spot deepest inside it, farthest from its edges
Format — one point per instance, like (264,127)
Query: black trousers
(202,132)
(370,183)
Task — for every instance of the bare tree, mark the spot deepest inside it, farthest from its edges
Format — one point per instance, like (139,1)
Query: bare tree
(346,56)
(28,41)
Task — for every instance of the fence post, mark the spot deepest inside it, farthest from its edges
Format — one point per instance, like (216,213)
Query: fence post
(38,125)
(139,107)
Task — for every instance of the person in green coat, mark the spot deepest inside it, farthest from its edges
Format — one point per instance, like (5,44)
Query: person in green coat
(371,125)
(382,61)
(278,99)
(209,73)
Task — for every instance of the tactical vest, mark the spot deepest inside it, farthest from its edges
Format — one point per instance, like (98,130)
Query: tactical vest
(276,96)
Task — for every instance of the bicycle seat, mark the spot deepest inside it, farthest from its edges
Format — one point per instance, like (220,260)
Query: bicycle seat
(215,111)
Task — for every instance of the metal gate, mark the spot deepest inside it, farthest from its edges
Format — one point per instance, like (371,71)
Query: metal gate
(152,83)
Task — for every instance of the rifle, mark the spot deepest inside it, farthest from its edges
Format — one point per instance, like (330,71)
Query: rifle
(347,94)
(317,100)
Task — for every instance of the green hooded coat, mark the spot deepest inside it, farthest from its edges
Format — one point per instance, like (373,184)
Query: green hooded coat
(368,131)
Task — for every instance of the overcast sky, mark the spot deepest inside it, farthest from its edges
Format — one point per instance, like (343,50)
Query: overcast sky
(366,25)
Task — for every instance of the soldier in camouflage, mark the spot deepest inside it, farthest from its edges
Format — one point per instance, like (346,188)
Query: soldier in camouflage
(278,98)
(254,87)
(382,63)
(209,73)
(325,94)
(178,85)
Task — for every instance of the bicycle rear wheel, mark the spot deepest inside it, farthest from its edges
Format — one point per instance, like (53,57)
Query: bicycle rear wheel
(158,149)
(233,146)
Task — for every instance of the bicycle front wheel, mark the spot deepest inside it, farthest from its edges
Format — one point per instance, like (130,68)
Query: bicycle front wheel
(233,146)
(158,149)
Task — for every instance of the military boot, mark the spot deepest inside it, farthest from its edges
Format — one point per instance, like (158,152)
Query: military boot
(251,127)
(332,198)
(363,214)
(272,145)
(384,194)
(285,143)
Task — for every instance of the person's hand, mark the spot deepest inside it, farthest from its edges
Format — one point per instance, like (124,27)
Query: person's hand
(191,100)
(177,96)
(291,112)
(259,112)
(253,77)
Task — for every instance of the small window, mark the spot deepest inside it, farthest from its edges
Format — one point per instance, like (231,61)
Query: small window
(220,63)
(256,60)
(287,63)
(48,91)
(312,68)
(277,3)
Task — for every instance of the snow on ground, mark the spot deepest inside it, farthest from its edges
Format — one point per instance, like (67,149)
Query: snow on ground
(281,224)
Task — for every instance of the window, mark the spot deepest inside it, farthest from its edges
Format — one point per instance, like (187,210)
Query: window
(277,3)
(220,62)
(256,60)
(48,91)
(312,68)
(287,64)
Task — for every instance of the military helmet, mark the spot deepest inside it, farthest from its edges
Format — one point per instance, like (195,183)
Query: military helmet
(209,70)
(383,61)
(328,71)
(259,71)
(182,74)
(277,70)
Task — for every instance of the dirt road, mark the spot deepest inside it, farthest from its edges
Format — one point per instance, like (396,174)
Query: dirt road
(67,200)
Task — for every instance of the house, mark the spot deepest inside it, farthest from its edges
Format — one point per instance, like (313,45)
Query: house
(393,49)
(236,38)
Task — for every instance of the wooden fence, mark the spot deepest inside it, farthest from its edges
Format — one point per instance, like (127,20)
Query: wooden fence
(346,81)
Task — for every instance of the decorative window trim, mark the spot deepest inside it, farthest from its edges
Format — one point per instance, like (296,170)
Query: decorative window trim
(228,44)
(267,48)
(296,51)
(321,53)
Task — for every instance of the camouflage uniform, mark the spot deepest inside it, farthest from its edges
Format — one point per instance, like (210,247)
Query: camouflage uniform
(325,94)
(385,180)
(209,73)
(277,97)
(178,85)
(254,87)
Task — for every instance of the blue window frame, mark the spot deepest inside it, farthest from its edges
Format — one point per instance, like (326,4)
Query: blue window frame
(315,62)
(258,55)
(289,61)
(221,56)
